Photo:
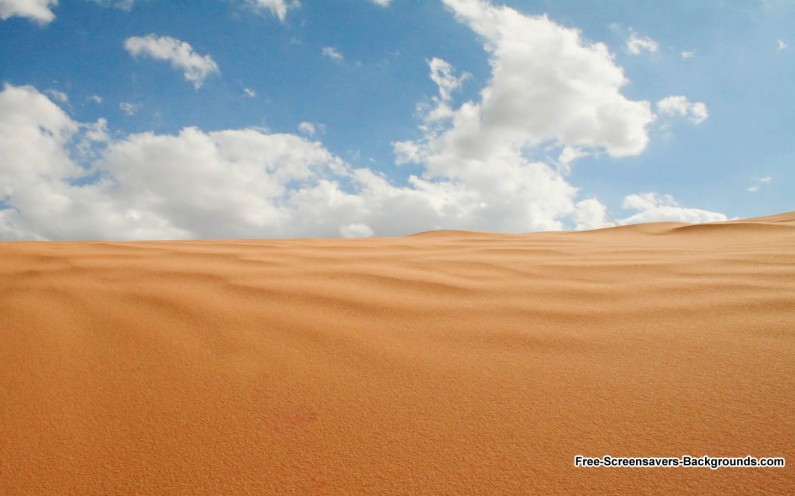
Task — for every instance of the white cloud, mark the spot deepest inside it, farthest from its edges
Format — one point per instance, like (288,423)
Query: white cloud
(95,98)
(332,53)
(178,53)
(35,169)
(548,88)
(130,108)
(356,231)
(310,129)
(195,184)
(278,8)
(97,132)
(567,156)
(637,44)
(591,214)
(781,45)
(759,183)
(39,11)
(681,106)
(549,92)
(58,96)
(653,207)
(119,4)
(649,207)
(442,75)
(436,116)
(547,85)
(232,183)
(248,92)
(382,3)
(688,54)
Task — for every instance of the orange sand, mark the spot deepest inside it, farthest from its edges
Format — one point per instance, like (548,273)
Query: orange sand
(441,363)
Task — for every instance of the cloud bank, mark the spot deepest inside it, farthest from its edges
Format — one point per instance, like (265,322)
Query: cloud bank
(653,207)
(551,95)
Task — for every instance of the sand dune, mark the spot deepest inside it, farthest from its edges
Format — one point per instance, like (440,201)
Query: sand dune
(441,363)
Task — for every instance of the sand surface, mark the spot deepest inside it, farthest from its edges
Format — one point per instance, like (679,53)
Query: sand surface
(441,363)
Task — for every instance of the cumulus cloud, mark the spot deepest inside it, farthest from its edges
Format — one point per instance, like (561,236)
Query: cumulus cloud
(681,106)
(549,91)
(781,45)
(382,3)
(547,84)
(278,8)
(230,183)
(332,53)
(591,214)
(249,93)
(548,88)
(39,11)
(35,167)
(194,184)
(637,44)
(653,207)
(178,53)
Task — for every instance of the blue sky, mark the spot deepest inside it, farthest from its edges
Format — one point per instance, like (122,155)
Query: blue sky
(140,119)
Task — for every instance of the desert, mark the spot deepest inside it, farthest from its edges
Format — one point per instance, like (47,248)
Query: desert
(447,362)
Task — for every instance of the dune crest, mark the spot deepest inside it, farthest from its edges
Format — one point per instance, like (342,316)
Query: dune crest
(441,363)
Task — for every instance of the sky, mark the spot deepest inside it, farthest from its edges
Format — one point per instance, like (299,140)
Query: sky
(211,119)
